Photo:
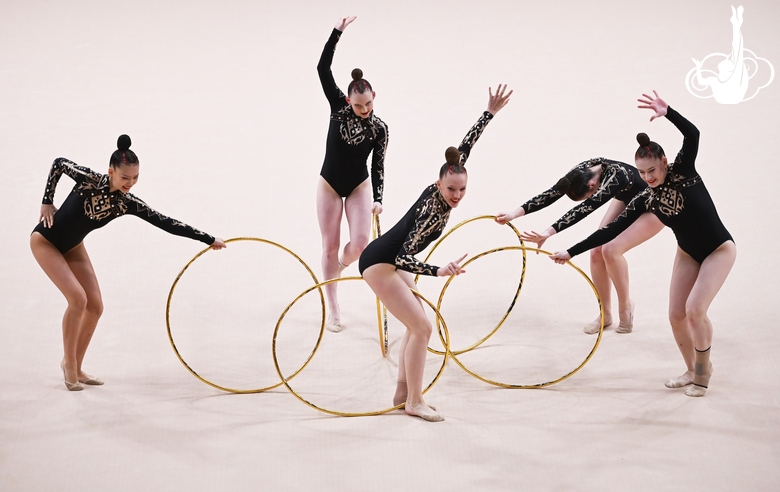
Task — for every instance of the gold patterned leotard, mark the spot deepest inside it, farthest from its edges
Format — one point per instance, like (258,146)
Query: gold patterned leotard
(91,205)
(421,225)
(681,202)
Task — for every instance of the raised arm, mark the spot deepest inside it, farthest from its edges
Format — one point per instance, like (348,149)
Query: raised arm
(495,103)
(690,146)
(332,91)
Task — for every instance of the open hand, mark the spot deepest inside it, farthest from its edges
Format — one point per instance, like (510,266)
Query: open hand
(535,237)
(498,100)
(655,103)
(47,215)
(342,23)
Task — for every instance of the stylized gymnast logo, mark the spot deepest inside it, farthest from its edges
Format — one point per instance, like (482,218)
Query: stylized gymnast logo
(729,84)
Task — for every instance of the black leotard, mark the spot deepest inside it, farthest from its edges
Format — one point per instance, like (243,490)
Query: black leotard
(421,225)
(92,205)
(618,180)
(350,137)
(682,202)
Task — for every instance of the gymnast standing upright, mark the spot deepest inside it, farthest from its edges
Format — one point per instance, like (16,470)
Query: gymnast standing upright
(387,264)
(354,132)
(595,182)
(705,250)
(58,247)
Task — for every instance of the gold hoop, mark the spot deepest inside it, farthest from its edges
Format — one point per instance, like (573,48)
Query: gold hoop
(443,335)
(506,314)
(444,288)
(567,375)
(381,310)
(176,350)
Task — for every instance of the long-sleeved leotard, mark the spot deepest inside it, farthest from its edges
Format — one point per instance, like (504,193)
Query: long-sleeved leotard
(350,137)
(422,224)
(618,180)
(682,203)
(91,205)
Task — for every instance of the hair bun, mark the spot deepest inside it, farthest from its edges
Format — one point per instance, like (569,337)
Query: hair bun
(123,142)
(357,74)
(563,185)
(643,139)
(452,156)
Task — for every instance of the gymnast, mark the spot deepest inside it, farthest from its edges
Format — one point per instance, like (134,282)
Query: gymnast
(595,182)
(58,247)
(354,132)
(387,264)
(705,250)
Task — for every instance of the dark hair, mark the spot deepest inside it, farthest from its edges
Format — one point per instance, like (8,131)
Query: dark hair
(123,154)
(453,165)
(575,183)
(358,84)
(647,148)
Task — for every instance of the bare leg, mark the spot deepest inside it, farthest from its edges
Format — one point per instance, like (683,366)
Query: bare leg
(81,266)
(712,274)
(684,273)
(56,268)
(393,291)
(329,209)
(647,226)
(357,208)
(598,272)
(401,389)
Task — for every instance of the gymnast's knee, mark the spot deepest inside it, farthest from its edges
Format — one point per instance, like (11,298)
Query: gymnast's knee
(95,307)
(360,242)
(596,255)
(611,251)
(424,329)
(330,248)
(695,314)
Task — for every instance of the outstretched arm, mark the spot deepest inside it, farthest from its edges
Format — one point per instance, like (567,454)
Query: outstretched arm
(140,209)
(635,208)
